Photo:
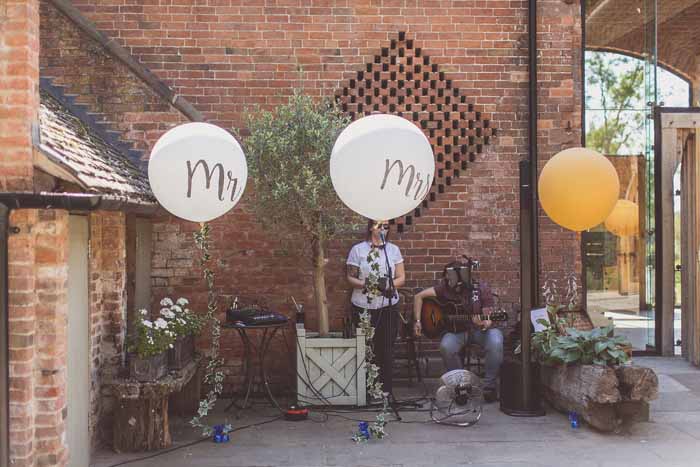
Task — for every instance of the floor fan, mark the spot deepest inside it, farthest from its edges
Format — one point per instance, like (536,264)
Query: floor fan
(458,402)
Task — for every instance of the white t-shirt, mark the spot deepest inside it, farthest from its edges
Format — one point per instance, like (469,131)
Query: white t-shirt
(358,257)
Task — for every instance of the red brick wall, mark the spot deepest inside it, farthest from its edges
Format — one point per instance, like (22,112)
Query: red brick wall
(38,307)
(229,56)
(19,96)
(51,268)
(107,312)
(559,119)
(22,316)
(104,84)
(38,327)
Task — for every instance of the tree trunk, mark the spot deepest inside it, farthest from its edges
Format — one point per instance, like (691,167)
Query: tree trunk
(142,425)
(320,287)
(604,397)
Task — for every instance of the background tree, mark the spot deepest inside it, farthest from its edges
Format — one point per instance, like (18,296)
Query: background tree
(615,84)
(288,154)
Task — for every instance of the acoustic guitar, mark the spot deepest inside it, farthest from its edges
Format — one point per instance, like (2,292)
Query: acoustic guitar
(438,317)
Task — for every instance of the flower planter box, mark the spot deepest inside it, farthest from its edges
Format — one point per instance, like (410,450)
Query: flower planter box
(182,352)
(148,369)
(605,397)
(331,369)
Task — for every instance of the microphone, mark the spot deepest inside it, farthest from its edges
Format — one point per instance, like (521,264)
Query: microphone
(382,236)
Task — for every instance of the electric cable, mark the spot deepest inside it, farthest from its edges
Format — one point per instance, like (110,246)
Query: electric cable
(192,443)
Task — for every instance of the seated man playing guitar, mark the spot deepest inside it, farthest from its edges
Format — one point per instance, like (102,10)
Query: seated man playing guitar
(466,299)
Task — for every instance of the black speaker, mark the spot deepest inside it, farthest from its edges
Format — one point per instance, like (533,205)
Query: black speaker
(512,390)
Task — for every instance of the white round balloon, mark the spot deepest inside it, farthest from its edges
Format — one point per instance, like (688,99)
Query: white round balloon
(382,166)
(197,171)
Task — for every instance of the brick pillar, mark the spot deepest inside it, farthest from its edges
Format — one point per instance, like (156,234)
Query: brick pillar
(107,313)
(51,272)
(38,272)
(22,316)
(19,96)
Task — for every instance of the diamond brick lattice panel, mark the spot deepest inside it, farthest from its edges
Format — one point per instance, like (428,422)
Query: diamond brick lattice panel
(402,81)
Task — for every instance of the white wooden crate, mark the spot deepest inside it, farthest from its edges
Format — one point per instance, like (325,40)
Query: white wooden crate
(329,366)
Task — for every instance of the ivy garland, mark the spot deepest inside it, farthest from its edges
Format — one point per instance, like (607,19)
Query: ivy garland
(374,386)
(214,377)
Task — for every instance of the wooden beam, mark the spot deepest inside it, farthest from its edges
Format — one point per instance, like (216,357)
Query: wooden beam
(669,148)
(693,326)
(687,267)
(680,120)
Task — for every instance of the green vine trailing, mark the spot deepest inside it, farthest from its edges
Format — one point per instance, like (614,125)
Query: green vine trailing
(214,377)
(374,386)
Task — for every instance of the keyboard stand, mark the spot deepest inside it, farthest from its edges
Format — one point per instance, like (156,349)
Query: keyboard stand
(260,348)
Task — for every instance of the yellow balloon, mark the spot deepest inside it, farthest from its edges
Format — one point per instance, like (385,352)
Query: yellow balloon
(624,219)
(578,188)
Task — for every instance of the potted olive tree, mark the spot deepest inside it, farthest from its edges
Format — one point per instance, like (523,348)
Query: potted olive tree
(289,153)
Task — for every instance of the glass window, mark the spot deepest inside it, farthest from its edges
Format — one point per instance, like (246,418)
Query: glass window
(625,42)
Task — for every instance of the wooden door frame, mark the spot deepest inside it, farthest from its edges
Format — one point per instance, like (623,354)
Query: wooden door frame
(667,122)
(70,315)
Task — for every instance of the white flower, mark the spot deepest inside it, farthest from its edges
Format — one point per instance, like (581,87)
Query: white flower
(177,308)
(143,312)
(166,302)
(161,323)
(182,301)
(148,323)
(165,312)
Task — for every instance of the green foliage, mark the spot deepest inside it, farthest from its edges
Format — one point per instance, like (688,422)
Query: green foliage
(152,337)
(288,155)
(596,346)
(371,289)
(375,388)
(213,376)
(620,90)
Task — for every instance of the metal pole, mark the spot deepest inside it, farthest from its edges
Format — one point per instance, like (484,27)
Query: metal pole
(4,339)
(529,269)
(526,279)
(529,265)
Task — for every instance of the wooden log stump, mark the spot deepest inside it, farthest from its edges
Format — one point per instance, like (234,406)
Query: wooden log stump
(141,425)
(590,390)
(141,420)
(605,398)
(638,383)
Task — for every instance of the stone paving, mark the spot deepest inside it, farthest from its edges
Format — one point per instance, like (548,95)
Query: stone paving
(670,439)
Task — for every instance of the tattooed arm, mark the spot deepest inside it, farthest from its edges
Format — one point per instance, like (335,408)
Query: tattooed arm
(353,277)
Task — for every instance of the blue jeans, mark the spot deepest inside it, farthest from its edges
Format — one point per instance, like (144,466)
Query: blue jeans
(491,340)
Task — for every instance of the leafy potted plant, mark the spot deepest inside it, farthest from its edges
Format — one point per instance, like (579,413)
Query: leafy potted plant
(148,347)
(595,347)
(184,324)
(288,154)
(587,371)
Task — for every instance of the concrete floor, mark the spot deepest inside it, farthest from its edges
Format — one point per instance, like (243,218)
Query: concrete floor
(670,439)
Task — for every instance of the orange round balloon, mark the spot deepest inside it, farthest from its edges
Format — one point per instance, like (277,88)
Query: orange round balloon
(578,188)
(623,221)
